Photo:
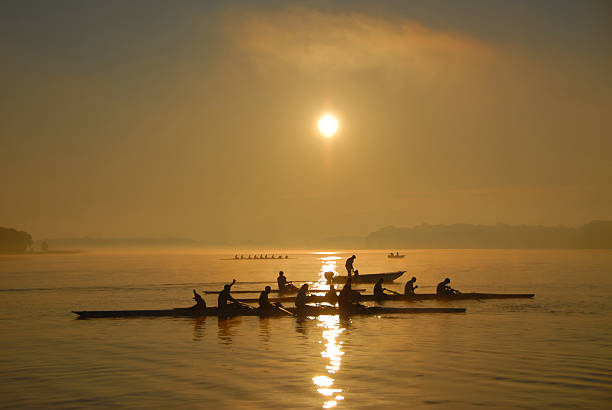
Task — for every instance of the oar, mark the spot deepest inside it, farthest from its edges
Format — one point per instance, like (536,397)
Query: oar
(392,291)
(282,309)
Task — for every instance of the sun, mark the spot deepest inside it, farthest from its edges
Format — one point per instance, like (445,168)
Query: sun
(328,125)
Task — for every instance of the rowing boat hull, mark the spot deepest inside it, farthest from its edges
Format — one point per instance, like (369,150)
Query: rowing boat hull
(387,277)
(216,292)
(413,298)
(308,311)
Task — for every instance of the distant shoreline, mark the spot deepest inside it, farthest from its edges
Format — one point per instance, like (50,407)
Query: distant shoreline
(43,253)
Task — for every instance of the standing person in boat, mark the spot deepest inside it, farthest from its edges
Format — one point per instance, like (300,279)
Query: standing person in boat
(302,297)
(349,265)
(410,287)
(443,288)
(379,291)
(283,285)
(225,300)
(200,303)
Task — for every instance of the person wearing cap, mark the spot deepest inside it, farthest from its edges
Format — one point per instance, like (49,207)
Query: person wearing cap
(349,265)
(443,288)
(410,287)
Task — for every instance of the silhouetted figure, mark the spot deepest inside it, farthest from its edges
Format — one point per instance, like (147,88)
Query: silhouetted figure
(225,300)
(302,297)
(283,285)
(200,303)
(264,302)
(444,289)
(379,291)
(349,265)
(331,296)
(410,287)
(355,274)
(346,298)
(286,256)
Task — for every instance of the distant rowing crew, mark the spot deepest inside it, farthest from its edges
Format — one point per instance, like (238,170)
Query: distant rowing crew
(261,256)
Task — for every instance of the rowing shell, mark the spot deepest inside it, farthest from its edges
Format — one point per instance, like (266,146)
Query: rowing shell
(286,292)
(414,297)
(213,311)
(387,277)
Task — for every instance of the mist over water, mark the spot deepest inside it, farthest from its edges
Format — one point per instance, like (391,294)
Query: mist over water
(553,350)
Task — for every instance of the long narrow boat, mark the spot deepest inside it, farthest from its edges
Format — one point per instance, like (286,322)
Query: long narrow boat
(415,297)
(213,311)
(216,292)
(387,277)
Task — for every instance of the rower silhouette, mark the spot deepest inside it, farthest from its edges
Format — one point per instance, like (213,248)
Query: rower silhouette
(443,288)
(410,287)
(302,297)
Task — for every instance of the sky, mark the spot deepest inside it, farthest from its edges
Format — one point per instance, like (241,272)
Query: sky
(198,119)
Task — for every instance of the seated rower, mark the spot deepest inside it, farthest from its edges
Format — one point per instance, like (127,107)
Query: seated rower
(225,300)
(283,285)
(379,291)
(331,296)
(264,302)
(347,299)
(200,303)
(444,289)
(302,297)
(410,287)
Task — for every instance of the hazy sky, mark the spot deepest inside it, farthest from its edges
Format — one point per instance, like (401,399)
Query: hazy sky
(198,119)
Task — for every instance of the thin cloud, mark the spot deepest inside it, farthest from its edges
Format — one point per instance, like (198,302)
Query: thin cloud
(312,40)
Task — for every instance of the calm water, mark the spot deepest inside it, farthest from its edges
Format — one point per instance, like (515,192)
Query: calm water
(552,351)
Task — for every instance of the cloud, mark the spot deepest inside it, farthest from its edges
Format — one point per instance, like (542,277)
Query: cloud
(313,40)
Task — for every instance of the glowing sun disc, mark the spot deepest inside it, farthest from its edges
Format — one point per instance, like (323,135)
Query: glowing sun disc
(328,125)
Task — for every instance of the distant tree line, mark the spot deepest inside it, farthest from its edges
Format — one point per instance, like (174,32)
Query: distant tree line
(594,235)
(14,241)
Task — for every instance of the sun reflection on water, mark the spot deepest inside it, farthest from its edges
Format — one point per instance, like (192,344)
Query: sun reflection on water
(328,264)
(333,352)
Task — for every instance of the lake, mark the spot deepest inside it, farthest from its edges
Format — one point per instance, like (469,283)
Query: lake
(551,351)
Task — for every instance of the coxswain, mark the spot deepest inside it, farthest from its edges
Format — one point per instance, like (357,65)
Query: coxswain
(264,302)
(226,300)
(200,303)
(444,289)
(302,297)
(410,287)
(349,265)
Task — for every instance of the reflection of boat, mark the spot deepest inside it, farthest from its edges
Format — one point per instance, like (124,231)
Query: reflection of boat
(371,277)
(213,311)
(415,297)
